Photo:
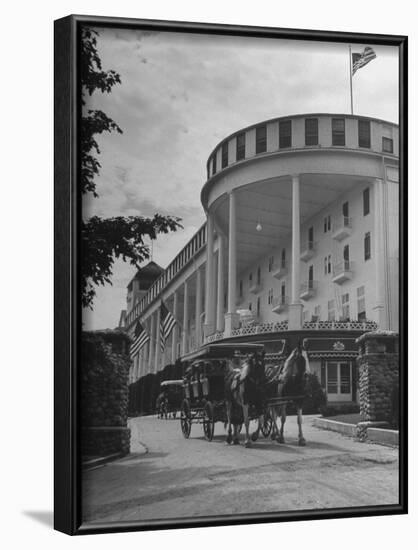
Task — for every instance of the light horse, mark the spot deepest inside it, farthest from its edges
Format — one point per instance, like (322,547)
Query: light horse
(244,388)
(293,381)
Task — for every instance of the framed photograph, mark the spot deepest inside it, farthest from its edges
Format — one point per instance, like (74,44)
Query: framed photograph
(230,260)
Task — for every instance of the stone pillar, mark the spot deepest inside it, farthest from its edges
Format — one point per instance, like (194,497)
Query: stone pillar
(210,287)
(175,332)
(151,357)
(158,353)
(380,257)
(378,362)
(104,370)
(295,306)
(231,318)
(185,316)
(220,318)
(198,308)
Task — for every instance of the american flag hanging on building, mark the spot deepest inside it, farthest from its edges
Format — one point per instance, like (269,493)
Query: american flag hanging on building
(359,60)
(167,323)
(141,337)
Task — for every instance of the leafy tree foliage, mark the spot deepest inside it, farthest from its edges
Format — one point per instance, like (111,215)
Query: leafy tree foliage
(103,240)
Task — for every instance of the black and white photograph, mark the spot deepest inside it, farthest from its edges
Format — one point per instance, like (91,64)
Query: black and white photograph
(241,280)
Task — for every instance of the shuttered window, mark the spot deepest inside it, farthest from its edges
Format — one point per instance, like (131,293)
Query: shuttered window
(224,155)
(338,131)
(364,133)
(240,146)
(261,139)
(285,134)
(311,131)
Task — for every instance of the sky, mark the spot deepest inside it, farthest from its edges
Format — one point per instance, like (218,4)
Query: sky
(181,94)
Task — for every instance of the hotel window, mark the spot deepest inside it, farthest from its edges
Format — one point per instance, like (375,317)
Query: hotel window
(387,145)
(258,276)
(345,300)
(346,213)
(317,313)
(366,201)
(283,258)
(270,296)
(311,131)
(327,224)
(339,379)
(283,293)
(258,306)
(285,134)
(271,263)
(346,257)
(327,264)
(225,154)
(310,277)
(240,146)
(310,238)
(250,279)
(364,133)
(361,303)
(250,306)
(367,248)
(240,289)
(214,164)
(261,139)
(338,131)
(331,310)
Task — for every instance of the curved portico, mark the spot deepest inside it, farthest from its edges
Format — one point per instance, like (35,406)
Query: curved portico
(271,196)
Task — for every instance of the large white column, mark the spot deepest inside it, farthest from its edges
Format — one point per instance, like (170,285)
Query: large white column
(140,353)
(209,287)
(231,317)
(379,256)
(157,341)
(185,316)
(198,308)
(295,307)
(151,357)
(146,358)
(220,318)
(175,332)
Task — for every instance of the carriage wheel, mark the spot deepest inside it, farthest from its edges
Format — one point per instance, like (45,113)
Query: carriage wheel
(208,421)
(268,425)
(185,419)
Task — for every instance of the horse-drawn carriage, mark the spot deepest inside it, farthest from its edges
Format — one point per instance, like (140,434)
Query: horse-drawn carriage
(204,386)
(232,384)
(170,398)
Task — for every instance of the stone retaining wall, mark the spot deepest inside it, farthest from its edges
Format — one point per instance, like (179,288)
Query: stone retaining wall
(104,374)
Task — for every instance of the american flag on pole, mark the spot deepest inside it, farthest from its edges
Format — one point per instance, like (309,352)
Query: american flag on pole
(167,323)
(359,60)
(141,337)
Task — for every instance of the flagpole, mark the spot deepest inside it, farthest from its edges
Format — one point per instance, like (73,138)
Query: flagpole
(351,76)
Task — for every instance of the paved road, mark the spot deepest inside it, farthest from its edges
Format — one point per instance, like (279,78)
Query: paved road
(167,476)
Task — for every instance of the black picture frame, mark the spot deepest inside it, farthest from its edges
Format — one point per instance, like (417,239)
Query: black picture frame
(67,208)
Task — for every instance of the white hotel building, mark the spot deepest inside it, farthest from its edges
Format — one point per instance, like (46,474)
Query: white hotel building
(302,230)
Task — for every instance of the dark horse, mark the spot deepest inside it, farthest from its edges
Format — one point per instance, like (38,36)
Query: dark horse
(244,388)
(292,383)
